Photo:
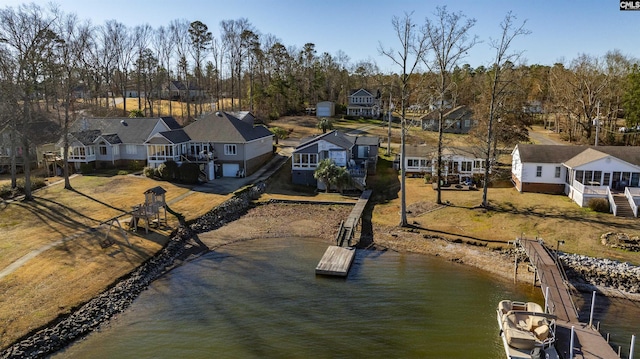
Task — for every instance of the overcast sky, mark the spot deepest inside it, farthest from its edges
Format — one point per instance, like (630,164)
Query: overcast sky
(560,29)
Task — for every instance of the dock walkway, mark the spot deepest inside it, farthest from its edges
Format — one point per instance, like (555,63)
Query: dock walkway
(588,343)
(348,227)
(337,259)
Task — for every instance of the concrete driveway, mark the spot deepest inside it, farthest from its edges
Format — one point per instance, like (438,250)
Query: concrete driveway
(226,185)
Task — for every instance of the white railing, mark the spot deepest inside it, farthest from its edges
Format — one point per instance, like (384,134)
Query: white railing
(633,197)
(419,169)
(583,193)
(81,158)
(612,203)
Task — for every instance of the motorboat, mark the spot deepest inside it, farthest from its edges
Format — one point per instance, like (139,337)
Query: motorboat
(527,331)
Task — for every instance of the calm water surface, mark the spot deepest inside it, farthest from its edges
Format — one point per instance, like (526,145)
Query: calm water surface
(261,299)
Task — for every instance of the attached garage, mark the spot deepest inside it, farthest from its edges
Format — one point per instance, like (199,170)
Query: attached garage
(230,169)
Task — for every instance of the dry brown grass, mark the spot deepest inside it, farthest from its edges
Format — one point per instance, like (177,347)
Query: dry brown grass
(551,217)
(77,269)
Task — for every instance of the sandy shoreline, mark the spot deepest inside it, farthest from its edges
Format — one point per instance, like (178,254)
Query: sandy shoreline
(323,221)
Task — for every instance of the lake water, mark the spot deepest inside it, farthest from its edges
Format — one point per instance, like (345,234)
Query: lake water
(261,299)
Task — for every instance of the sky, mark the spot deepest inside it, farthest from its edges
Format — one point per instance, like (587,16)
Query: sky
(561,30)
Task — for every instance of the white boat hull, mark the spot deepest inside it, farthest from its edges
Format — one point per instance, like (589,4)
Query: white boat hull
(548,352)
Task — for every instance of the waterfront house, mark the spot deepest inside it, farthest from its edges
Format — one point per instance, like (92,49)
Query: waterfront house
(459,164)
(114,141)
(580,172)
(359,154)
(239,147)
(40,135)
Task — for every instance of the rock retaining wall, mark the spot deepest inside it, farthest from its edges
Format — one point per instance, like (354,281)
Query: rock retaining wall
(100,309)
(583,270)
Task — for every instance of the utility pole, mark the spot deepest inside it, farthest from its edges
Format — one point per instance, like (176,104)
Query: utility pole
(596,122)
(389,128)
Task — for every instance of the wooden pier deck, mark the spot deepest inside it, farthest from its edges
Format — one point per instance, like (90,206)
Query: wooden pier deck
(588,343)
(337,259)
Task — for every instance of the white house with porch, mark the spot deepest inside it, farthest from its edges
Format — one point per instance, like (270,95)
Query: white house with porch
(458,163)
(580,172)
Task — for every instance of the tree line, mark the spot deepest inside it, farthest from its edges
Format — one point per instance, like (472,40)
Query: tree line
(49,58)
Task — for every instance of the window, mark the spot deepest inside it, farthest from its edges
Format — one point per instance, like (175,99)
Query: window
(558,169)
(606,179)
(579,176)
(597,177)
(230,150)
(467,166)
(305,160)
(103,149)
(538,171)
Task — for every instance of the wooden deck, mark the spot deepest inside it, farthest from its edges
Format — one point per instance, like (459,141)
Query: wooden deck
(348,227)
(588,343)
(336,261)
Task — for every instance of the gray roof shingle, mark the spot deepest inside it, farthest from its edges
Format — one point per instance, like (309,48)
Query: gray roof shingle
(565,153)
(129,130)
(223,127)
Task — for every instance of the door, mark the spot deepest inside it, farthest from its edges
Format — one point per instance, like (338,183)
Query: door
(230,169)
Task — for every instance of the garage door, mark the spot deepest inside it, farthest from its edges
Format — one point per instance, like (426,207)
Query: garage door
(230,169)
(323,112)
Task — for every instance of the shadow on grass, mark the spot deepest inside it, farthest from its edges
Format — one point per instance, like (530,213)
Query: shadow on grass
(543,212)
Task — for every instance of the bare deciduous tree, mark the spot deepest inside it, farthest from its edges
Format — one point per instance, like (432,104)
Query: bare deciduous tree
(413,47)
(26,35)
(503,59)
(448,36)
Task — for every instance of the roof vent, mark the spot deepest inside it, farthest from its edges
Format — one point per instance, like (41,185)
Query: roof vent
(124,123)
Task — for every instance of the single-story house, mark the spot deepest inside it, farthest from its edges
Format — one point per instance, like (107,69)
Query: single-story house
(240,147)
(580,172)
(458,163)
(457,120)
(325,109)
(359,154)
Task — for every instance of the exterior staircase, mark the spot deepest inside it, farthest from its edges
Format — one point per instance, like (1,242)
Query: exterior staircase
(622,205)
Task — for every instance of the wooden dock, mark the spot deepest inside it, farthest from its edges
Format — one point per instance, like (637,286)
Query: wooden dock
(588,343)
(336,261)
(348,227)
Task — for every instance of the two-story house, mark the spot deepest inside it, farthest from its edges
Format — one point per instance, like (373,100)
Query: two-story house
(359,154)
(364,103)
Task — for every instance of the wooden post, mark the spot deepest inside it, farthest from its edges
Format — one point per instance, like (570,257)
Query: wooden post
(515,269)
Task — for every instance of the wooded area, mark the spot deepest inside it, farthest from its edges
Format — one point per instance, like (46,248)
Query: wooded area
(53,64)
